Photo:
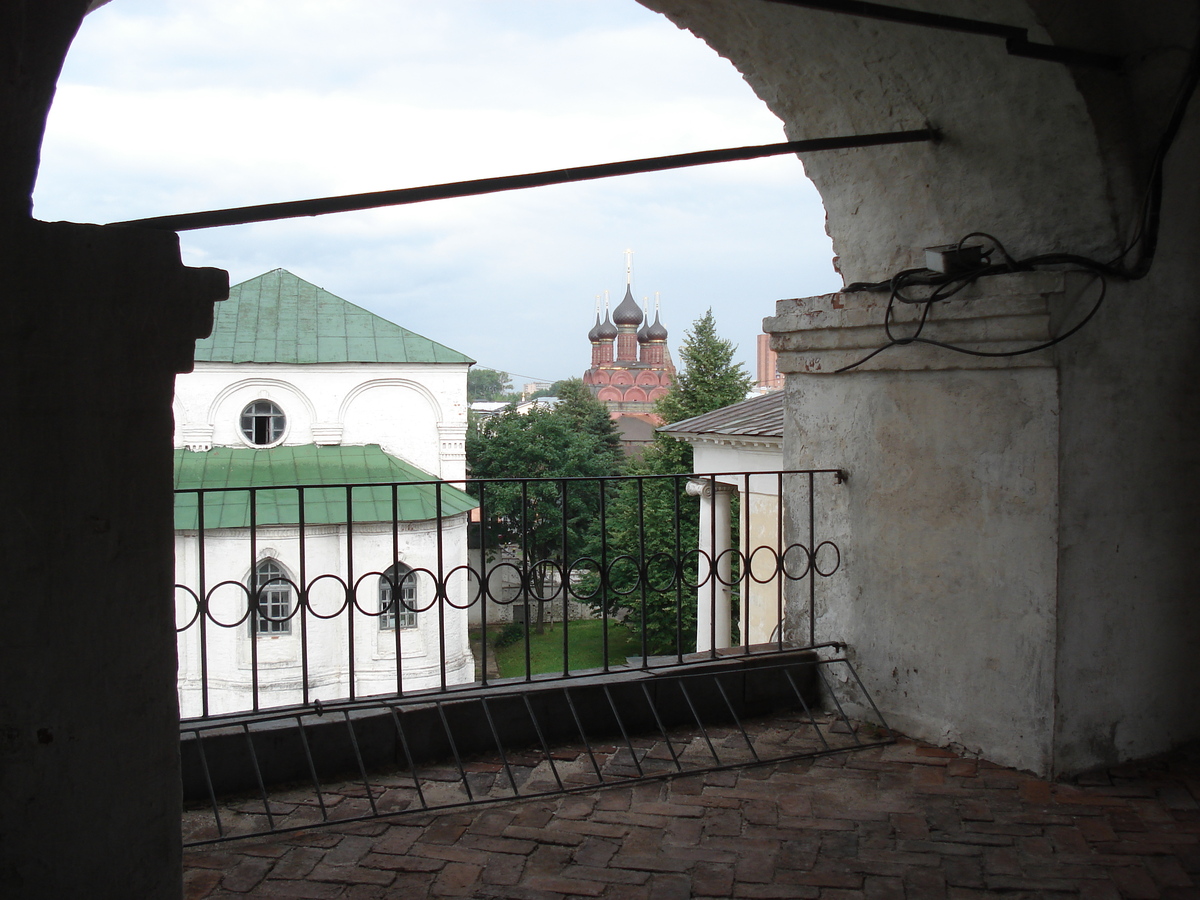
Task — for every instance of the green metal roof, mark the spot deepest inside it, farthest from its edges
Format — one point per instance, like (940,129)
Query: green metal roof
(279,318)
(278,472)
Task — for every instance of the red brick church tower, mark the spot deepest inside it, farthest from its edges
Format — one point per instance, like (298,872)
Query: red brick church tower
(639,373)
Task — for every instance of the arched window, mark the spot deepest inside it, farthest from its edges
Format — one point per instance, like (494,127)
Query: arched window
(400,613)
(263,423)
(274,598)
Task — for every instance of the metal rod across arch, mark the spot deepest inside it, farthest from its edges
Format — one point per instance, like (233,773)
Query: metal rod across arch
(291,209)
(1016,39)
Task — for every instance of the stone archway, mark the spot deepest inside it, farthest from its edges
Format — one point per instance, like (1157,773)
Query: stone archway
(1028,151)
(1053,159)
(1017,618)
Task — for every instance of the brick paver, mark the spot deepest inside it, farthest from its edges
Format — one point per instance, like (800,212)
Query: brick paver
(904,821)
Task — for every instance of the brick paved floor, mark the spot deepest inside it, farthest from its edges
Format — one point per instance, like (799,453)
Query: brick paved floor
(902,821)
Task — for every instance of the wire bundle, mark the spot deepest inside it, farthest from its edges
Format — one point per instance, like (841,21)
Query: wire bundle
(944,286)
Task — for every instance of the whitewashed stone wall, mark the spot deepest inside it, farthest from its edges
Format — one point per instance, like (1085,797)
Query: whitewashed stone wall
(440,633)
(757,526)
(1096,447)
(415,412)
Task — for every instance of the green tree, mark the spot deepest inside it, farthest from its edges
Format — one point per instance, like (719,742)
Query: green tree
(488,384)
(658,521)
(552,520)
(589,415)
(709,379)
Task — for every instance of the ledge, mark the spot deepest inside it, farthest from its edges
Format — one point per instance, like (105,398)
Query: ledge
(819,335)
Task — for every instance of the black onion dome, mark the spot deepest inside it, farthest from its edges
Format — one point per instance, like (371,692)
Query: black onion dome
(627,313)
(593,335)
(606,330)
(641,335)
(656,332)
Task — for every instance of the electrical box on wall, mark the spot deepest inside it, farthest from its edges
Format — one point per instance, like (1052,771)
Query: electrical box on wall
(951,258)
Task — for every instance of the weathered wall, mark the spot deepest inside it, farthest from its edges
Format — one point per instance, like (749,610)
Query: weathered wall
(98,320)
(414,411)
(1047,158)
(948,521)
(96,323)
(230,665)
(1019,157)
(1129,625)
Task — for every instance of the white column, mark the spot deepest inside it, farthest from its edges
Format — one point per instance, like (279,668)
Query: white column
(452,451)
(713,596)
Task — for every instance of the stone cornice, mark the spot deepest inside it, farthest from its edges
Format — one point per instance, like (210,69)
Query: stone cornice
(819,335)
(741,442)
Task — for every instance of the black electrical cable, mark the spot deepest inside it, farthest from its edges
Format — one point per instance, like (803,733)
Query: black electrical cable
(947,285)
(1144,240)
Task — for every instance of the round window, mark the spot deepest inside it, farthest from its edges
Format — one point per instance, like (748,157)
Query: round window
(263,423)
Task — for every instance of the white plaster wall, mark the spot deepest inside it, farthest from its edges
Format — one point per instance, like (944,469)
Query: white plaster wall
(1047,157)
(947,532)
(330,647)
(415,412)
(1128,683)
(758,525)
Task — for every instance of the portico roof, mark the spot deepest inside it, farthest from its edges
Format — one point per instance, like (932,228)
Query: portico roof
(277,474)
(760,417)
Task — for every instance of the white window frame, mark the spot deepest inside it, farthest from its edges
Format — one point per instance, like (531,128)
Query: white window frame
(389,613)
(263,418)
(271,585)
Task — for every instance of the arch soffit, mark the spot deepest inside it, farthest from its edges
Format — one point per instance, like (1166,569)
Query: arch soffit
(230,390)
(1020,156)
(414,386)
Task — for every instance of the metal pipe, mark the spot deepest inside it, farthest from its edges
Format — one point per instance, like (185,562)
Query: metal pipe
(1016,39)
(291,209)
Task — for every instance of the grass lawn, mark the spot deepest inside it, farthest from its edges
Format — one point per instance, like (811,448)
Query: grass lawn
(584,648)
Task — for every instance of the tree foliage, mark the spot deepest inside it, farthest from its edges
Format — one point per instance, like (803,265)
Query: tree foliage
(590,416)
(553,521)
(653,523)
(488,384)
(576,437)
(709,379)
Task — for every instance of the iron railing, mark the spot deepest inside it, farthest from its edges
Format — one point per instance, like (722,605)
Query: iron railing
(392,757)
(302,596)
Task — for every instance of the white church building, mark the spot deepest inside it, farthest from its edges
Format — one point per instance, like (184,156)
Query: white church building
(290,591)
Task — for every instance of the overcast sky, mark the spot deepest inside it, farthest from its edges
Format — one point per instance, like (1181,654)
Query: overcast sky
(169,106)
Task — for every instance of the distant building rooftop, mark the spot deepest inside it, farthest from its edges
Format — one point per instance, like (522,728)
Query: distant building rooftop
(636,430)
